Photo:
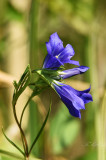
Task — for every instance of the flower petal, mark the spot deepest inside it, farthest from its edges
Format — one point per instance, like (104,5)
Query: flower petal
(51,62)
(86,97)
(73,111)
(55,45)
(74,62)
(67,54)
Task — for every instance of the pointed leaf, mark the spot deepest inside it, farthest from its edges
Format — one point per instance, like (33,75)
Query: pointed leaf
(40,131)
(13,143)
(6,153)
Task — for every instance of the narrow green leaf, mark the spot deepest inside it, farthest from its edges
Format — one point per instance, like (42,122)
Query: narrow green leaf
(15,84)
(13,143)
(41,129)
(11,154)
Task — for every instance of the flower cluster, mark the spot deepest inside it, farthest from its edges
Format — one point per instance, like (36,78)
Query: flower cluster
(57,56)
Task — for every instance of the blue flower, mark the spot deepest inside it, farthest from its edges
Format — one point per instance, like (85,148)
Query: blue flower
(73,99)
(57,54)
(51,73)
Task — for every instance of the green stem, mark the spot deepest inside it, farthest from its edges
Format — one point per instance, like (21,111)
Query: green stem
(23,143)
(40,131)
(21,131)
(34,93)
(11,154)
(33,53)
(25,108)
(34,34)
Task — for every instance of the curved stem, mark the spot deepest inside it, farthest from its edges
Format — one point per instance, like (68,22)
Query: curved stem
(32,95)
(25,108)
(21,130)
(23,142)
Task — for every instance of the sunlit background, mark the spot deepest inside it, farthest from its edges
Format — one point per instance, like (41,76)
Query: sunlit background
(25,26)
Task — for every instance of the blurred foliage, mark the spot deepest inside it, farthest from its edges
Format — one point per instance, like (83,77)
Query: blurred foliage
(13,13)
(90,155)
(63,130)
(82,24)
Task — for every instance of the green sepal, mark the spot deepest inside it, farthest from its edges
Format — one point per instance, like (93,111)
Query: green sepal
(50,72)
(43,73)
(22,84)
(45,77)
(53,74)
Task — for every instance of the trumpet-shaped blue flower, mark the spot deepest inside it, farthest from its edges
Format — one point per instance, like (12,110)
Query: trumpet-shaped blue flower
(58,55)
(73,99)
(72,72)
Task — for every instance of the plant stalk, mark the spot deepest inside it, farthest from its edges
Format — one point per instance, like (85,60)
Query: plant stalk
(21,131)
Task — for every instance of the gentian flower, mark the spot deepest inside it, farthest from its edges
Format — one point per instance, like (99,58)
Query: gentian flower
(73,99)
(57,54)
(72,72)
(51,73)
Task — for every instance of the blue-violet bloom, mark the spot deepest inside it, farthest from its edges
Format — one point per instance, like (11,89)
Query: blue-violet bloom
(58,55)
(74,100)
(72,72)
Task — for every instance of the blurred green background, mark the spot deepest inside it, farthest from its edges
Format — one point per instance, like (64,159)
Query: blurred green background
(25,26)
